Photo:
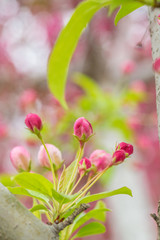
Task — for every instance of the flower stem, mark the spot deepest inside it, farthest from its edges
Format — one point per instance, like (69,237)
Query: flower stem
(52,169)
(94,180)
(75,168)
(76,184)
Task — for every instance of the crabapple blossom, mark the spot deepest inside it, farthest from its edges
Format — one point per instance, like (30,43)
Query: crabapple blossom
(55,155)
(118,156)
(128,148)
(33,122)
(82,129)
(100,159)
(20,158)
(84,164)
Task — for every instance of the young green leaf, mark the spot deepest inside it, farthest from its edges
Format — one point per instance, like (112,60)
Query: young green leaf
(92,228)
(38,207)
(34,181)
(62,198)
(67,175)
(66,43)
(93,214)
(127,8)
(29,193)
(98,196)
(61,180)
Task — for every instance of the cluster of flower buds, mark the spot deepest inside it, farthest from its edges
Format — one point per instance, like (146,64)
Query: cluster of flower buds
(97,162)
(123,150)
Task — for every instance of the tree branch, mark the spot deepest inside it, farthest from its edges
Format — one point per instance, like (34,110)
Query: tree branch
(16,222)
(71,218)
(157,220)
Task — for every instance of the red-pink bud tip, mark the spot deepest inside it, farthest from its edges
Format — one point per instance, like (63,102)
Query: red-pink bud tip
(118,156)
(83,129)
(84,164)
(33,122)
(128,148)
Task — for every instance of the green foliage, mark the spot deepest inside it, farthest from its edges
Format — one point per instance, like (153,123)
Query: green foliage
(127,8)
(92,228)
(62,198)
(6,180)
(98,196)
(64,48)
(29,193)
(38,207)
(35,182)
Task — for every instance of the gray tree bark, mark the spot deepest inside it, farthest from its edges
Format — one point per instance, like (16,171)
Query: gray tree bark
(155,38)
(17,223)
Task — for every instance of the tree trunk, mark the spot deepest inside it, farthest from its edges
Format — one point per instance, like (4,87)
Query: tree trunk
(155,38)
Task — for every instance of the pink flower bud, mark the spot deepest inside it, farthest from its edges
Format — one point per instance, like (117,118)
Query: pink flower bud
(20,158)
(158,19)
(84,164)
(118,156)
(100,159)
(55,154)
(128,148)
(33,122)
(128,67)
(82,129)
(156,65)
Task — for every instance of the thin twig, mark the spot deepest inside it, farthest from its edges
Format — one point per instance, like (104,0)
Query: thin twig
(157,220)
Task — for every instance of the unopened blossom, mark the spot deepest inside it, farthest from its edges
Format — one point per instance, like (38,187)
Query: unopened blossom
(82,129)
(84,165)
(118,156)
(33,122)
(20,158)
(128,148)
(156,65)
(55,155)
(100,159)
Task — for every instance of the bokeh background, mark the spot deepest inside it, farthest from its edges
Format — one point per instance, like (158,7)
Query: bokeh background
(110,82)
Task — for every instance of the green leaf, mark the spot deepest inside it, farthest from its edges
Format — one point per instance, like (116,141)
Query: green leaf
(88,85)
(38,207)
(93,228)
(127,8)
(61,180)
(93,214)
(98,196)
(101,205)
(62,198)
(67,175)
(29,193)
(34,181)
(66,43)
(6,180)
